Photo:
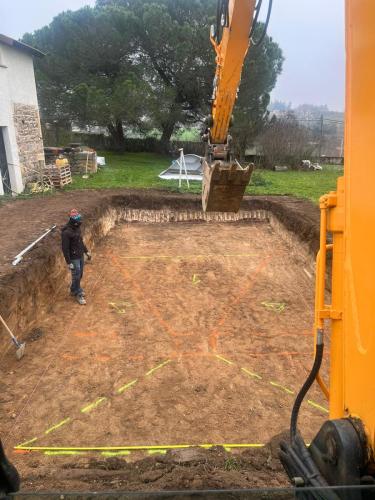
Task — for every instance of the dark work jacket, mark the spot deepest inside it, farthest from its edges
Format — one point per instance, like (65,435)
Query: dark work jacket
(72,242)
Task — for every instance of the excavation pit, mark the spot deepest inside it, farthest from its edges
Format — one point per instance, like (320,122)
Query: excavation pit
(196,331)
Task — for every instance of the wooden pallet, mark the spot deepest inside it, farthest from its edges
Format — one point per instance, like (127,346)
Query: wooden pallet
(59,176)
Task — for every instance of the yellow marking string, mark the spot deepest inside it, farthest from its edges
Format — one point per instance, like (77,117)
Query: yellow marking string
(93,405)
(127,386)
(252,374)
(225,360)
(157,367)
(275,384)
(274,306)
(316,405)
(138,448)
(28,442)
(196,279)
(157,452)
(118,307)
(279,386)
(60,424)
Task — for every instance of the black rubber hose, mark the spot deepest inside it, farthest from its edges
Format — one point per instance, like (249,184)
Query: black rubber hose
(256,43)
(306,386)
(258,8)
(222,12)
(295,455)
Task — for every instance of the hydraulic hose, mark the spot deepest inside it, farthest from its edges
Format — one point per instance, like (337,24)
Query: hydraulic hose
(308,383)
(295,455)
(222,18)
(258,7)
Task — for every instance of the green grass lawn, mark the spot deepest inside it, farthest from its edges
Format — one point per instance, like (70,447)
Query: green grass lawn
(140,170)
(311,185)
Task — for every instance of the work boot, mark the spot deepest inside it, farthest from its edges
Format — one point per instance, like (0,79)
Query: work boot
(81,300)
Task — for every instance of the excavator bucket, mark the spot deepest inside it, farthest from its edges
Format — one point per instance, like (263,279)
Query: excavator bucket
(224,185)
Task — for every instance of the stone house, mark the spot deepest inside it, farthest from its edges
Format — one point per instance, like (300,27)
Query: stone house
(21,143)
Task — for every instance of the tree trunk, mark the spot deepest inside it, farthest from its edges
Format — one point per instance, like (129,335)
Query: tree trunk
(57,134)
(117,135)
(168,129)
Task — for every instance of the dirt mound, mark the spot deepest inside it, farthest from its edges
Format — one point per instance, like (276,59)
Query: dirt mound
(22,221)
(186,469)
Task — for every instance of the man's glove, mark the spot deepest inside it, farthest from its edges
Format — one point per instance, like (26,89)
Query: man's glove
(71,266)
(88,255)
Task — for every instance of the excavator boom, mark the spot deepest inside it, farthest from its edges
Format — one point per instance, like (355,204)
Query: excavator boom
(230,55)
(224,180)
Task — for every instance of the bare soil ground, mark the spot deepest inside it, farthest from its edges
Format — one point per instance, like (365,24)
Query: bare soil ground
(22,221)
(193,333)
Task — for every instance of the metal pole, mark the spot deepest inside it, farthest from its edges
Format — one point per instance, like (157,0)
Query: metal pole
(186,175)
(180,165)
(19,257)
(321,136)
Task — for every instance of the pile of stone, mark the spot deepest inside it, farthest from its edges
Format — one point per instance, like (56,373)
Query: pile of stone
(83,160)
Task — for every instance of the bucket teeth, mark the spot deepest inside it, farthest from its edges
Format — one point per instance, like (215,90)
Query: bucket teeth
(224,186)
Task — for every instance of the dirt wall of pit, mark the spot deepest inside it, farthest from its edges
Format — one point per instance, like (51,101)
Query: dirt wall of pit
(27,291)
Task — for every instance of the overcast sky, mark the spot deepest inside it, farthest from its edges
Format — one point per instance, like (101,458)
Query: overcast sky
(310,32)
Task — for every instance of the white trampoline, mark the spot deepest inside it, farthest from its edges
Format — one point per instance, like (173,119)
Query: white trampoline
(193,169)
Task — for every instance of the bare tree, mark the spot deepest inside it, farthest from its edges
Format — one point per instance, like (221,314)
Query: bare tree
(286,142)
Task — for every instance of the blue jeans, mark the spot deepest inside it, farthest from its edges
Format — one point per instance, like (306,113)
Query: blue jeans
(77,273)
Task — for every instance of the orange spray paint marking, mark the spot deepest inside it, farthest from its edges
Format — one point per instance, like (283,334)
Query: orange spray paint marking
(113,335)
(136,358)
(85,334)
(137,289)
(70,357)
(103,358)
(282,353)
(190,354)
(214,335)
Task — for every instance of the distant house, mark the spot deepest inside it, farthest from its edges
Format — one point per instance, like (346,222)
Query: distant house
(21,144)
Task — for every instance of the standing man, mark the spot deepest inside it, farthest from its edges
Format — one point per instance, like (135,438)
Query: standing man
(74,249)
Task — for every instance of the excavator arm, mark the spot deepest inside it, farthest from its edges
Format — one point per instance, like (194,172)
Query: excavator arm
(224,180)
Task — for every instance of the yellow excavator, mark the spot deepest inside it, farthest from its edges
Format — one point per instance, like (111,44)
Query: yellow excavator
(343,452)
(224,179)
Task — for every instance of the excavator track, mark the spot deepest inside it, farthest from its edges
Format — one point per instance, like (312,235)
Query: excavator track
(224,185)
